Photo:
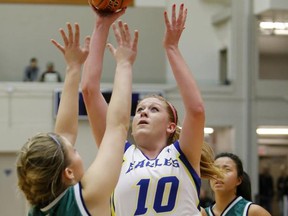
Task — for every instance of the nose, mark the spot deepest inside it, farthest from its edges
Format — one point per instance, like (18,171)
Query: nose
(143,113)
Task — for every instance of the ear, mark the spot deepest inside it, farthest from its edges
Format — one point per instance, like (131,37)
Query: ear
(239,181)
(68,174)
(171,128)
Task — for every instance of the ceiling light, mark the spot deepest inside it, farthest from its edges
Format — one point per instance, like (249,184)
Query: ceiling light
(273,25)
(208,130)
(276,28)
(272,131)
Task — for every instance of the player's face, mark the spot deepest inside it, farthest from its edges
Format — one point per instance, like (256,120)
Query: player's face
(151,117)
(230,179)
(76,163)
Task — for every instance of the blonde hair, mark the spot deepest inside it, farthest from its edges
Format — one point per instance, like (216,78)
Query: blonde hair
(39,168)
(207,168)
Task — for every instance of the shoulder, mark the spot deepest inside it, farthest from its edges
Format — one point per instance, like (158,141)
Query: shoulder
(256,210)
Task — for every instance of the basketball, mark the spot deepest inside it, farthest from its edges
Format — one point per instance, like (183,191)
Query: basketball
(110,5)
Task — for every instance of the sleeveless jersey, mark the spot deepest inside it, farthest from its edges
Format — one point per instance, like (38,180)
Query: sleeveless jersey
(238,207)
(167,185)
(69,203)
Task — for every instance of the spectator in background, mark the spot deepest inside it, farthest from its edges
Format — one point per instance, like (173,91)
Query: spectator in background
(50,75)
(266,189)
(282,187)
(31,71)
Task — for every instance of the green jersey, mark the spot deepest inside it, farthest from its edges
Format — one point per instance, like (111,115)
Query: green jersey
(238,207)
(69,203)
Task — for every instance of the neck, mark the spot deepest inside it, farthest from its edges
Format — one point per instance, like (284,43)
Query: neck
(151,150)
(222,201)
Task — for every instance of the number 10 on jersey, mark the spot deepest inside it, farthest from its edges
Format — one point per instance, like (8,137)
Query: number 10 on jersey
(158,204)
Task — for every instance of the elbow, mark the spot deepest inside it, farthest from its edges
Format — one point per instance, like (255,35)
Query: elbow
(198,111)
(88,90)
(85,86)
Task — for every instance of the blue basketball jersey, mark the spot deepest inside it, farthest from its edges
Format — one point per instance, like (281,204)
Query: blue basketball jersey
(166,185)
(238,207)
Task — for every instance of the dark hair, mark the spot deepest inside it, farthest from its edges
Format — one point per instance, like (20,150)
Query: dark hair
(243,189)
(33,59)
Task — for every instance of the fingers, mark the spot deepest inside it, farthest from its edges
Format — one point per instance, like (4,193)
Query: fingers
(87,44)
(182,16)
(166,19)
(135,41)
(111,48)
(116,33)
(61,48)
(72,37)
(173,18)
(122,33)
(64,37)
(179,21)
(119,13)
(127,32)
(122,30)
(123,37)
(70,33)
(77,34)
(126,36)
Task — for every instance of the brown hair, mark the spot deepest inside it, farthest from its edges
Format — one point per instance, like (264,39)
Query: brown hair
(40,165)
(207,168)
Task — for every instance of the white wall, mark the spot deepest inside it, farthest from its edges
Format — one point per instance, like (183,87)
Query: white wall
(30,28)
(26,30)
(200,42)
(27,109)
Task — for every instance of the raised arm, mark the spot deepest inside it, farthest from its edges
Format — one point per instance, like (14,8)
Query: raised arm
(102,176)
(192,133)
(94,101)
(67,116)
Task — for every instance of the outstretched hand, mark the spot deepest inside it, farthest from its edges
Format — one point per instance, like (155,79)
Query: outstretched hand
(175,26)
(71,49)
(127,47)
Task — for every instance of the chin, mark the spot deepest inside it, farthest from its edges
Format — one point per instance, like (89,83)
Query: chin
(140,134)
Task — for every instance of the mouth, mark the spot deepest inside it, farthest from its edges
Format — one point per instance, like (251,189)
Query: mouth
(218,183)
(142,122)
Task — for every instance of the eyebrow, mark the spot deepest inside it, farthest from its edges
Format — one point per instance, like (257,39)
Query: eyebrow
(224,166)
